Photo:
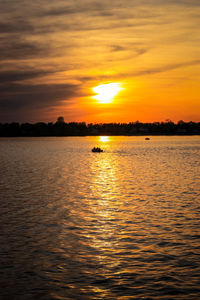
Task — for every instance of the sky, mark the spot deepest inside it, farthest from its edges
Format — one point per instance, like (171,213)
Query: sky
(53,53)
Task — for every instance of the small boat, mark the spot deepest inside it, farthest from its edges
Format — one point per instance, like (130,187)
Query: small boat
(147,139)
(97,149)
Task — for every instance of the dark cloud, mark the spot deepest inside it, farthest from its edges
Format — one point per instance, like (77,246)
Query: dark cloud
(26,103)
(16,96)
(15,25)
(14,75)
(87,8)
(16,48)
(65,10)
(43,18)
(125,8)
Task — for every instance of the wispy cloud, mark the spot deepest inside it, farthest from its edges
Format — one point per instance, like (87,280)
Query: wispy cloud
(165,68)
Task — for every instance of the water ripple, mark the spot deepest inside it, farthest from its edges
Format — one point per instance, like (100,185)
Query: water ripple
(120,225)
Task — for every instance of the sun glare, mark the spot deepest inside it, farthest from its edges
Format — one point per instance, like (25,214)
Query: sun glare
(105,93)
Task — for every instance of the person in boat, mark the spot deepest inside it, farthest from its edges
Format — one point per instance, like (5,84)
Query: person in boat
(97,149)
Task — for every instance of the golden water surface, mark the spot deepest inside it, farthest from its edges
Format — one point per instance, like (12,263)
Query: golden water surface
(121,224)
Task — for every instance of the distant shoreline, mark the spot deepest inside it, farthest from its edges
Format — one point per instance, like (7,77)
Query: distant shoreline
(93,135)
(60,128)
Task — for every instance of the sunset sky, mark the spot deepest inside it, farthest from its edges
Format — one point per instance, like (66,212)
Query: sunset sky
(54,53)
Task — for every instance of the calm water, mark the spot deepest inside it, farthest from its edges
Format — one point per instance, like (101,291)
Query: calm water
(122,224)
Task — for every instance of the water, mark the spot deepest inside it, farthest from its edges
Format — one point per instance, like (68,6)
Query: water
(122,224)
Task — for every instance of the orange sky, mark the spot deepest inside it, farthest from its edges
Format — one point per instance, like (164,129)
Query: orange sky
(53,54)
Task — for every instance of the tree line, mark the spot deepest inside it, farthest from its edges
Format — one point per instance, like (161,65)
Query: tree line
(61,128)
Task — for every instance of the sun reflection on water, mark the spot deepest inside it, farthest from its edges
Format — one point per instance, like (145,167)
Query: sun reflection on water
(104,209)
(104,138)
(115,225)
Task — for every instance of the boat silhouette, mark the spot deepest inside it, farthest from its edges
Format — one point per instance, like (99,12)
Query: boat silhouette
(97,149)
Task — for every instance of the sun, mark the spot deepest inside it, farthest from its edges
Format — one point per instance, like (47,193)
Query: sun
(105,93)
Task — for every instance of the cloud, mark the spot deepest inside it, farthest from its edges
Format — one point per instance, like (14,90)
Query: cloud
(165,68)
(28,103)
(15,25)
(17,96)
(143,72)
(17,48)
(13,76)
(116,48)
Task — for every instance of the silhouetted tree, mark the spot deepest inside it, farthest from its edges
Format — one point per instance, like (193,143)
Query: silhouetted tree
(60,128)
(60,120)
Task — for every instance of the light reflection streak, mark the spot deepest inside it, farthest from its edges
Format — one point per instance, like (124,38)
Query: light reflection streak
(104,205)
(104,138)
